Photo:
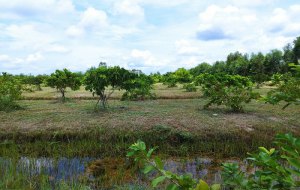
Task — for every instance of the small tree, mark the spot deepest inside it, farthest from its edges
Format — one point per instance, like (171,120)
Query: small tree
(139,88)
(61,79)
(288,88)
(10,91)
(103,81)
(228,90)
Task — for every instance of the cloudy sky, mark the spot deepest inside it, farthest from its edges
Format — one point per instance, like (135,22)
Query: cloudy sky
(39,36)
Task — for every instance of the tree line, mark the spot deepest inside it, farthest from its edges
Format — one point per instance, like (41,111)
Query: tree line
(227,82)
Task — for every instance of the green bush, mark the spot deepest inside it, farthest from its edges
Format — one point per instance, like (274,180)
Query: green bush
(190,87)
(274,169)
(229,90)
(288,88)
(10,91)
(139,88)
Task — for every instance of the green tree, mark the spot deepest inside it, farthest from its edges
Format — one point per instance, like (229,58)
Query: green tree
(257,68)
(273,62)
(182,75)
(62,79)
(288,88)
(200,69)
(229,90)
(10,91)
(139,88)
(296,50)
(103,81)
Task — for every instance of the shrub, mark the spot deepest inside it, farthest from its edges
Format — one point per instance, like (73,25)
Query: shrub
(10,91)
(139,89)
(229,90)
(275,169)
(288,89)
(190,87)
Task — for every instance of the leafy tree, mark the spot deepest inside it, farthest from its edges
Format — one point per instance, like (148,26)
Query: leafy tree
(103,81)
(182,75)
(10,91)
(273,62)
(139,88)
(61,79)
(296,50)
(288,88)
(190,87)
(156,77)
(257,68)
(288,54)
(200,69)
(229,90)
(218,67)
(169,79)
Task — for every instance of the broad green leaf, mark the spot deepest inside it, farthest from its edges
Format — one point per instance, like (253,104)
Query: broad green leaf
(172,187)
(150,152)
(159,163)
(272,150)
(264,149)
(148,169)
(202,185)
(158,180)
(215,187)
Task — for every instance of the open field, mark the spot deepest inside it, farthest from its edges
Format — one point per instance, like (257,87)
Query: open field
(46,129)
(181,123)
(161,91)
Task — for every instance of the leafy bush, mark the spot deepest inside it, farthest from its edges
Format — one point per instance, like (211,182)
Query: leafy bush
(288,89)
(274,169)
(176,182)
(10,91)
(229,90)
(190,87)
(139,88)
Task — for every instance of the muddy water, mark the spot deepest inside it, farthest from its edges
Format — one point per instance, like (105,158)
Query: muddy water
(71,169)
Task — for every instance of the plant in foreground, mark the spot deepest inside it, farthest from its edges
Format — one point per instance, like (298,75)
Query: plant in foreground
(274,169)
(176,182)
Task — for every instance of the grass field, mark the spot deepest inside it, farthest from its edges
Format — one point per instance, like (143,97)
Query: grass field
(181,123)
(175,122)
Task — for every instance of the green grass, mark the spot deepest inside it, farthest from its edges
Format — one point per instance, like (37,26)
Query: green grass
(180,127)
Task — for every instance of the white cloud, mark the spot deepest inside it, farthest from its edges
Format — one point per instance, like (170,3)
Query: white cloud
(184,47)
(34,57)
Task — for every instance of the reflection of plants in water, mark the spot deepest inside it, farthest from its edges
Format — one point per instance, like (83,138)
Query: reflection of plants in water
(176,182)
(273,169)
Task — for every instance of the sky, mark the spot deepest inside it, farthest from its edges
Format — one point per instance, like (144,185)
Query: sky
(40,36)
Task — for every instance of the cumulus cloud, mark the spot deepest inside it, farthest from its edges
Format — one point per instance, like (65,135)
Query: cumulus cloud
(185,48)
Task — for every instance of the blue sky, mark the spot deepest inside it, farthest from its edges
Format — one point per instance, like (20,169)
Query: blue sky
(152,35)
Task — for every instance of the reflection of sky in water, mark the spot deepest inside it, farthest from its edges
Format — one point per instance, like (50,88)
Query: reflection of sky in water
(70,169)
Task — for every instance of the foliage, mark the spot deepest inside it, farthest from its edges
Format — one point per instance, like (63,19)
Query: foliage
(288,89)
(10,91)
(176,182)
(61,79)
(273,169)
(228,90)
(139,88)
(200,69)
(190,87)
(182,75)
(169,79)
(103,81)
